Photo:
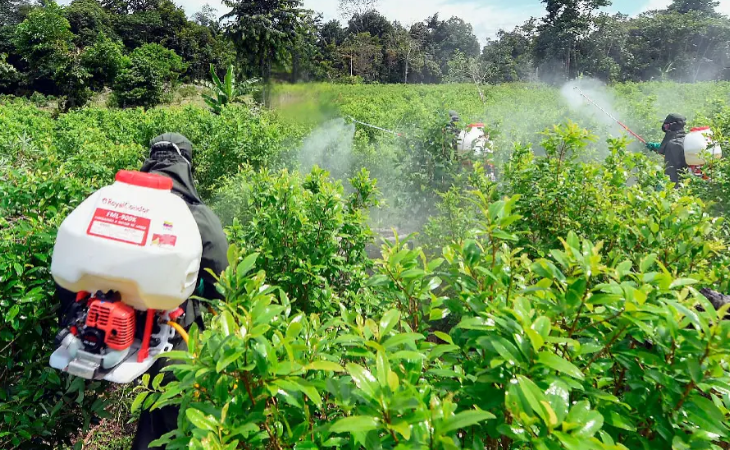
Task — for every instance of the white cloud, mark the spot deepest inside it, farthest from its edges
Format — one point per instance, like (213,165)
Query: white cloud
(724,7)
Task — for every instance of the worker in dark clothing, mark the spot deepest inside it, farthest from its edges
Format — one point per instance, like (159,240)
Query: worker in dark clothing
(453,128)
(171,155)
(672,146)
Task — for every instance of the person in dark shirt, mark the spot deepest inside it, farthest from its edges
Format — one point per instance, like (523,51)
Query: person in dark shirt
(171,155)
(672,146)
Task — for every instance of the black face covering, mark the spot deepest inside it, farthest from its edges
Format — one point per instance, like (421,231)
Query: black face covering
(674,122)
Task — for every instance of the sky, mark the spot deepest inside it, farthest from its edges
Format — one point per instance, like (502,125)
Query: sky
(485,16)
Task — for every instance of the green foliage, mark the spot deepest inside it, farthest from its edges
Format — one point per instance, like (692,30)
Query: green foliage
(519,370)
(263,32)
(8,74)
(554,308)
(44,41)
(39,407)
(227,91)
(149,71)
(88,19)
(103,60)
(308,234)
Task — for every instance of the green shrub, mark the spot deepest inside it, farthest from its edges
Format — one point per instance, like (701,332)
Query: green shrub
(570,352)
(310,236)
(40,408)
(142,81)
(103,60)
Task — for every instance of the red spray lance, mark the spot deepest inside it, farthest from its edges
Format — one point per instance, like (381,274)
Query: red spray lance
(642,140)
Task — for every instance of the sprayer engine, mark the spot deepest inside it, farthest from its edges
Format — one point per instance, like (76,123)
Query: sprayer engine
(107,339)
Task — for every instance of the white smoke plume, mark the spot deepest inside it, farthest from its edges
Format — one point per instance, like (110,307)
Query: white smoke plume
(329,147)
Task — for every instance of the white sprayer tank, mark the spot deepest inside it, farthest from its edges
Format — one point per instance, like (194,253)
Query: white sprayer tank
(135,237)
(697,141)
(473,139)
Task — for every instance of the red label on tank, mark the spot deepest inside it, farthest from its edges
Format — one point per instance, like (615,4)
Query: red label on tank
(119,227)
(164,240)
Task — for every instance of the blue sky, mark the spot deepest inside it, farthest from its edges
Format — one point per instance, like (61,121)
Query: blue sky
(486,16)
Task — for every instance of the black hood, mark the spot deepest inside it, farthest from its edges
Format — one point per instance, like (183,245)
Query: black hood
(674,124)
(171,154)
(176,167)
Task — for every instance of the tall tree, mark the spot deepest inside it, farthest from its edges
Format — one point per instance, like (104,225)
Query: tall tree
(12,12)
(567,23)
(349,8)
(511,54)
(702,6)
(364,54)
(407,49)
(44,40)
(263,31)
(370,22)
(87,19)
(207,17)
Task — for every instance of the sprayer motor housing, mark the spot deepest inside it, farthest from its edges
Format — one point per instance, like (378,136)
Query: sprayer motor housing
(106,338)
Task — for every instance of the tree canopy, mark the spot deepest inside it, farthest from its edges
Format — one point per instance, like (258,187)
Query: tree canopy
(45,47)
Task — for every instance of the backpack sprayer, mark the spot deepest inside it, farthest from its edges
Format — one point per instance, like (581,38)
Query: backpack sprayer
(472,140)
(132,252)
(696,142)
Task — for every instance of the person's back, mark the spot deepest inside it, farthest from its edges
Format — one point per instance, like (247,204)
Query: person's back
(672,146)
(171,156)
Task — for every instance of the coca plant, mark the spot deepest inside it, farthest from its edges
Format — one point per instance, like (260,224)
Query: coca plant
(568,351)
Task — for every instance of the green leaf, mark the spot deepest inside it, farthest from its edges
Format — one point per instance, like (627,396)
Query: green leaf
(582,420)
(693,317)
(364,380)
(403,428)
(355,424)
(465,419)
(535,398)
(555,362)
(138,401)
(618,421)
(542,326)
(593,423)
(227,323)
(402,338)
(444,337)
(647,262)
(383,368)
(558,394)
(200,420)
(227,360)
(324,365)
(246,265)
(388,321)
(680,282)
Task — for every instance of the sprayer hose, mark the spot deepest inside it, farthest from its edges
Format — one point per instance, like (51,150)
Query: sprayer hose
(180,330)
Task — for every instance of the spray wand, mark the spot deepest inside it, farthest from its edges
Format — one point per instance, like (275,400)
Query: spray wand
(642,140)
(374,126)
